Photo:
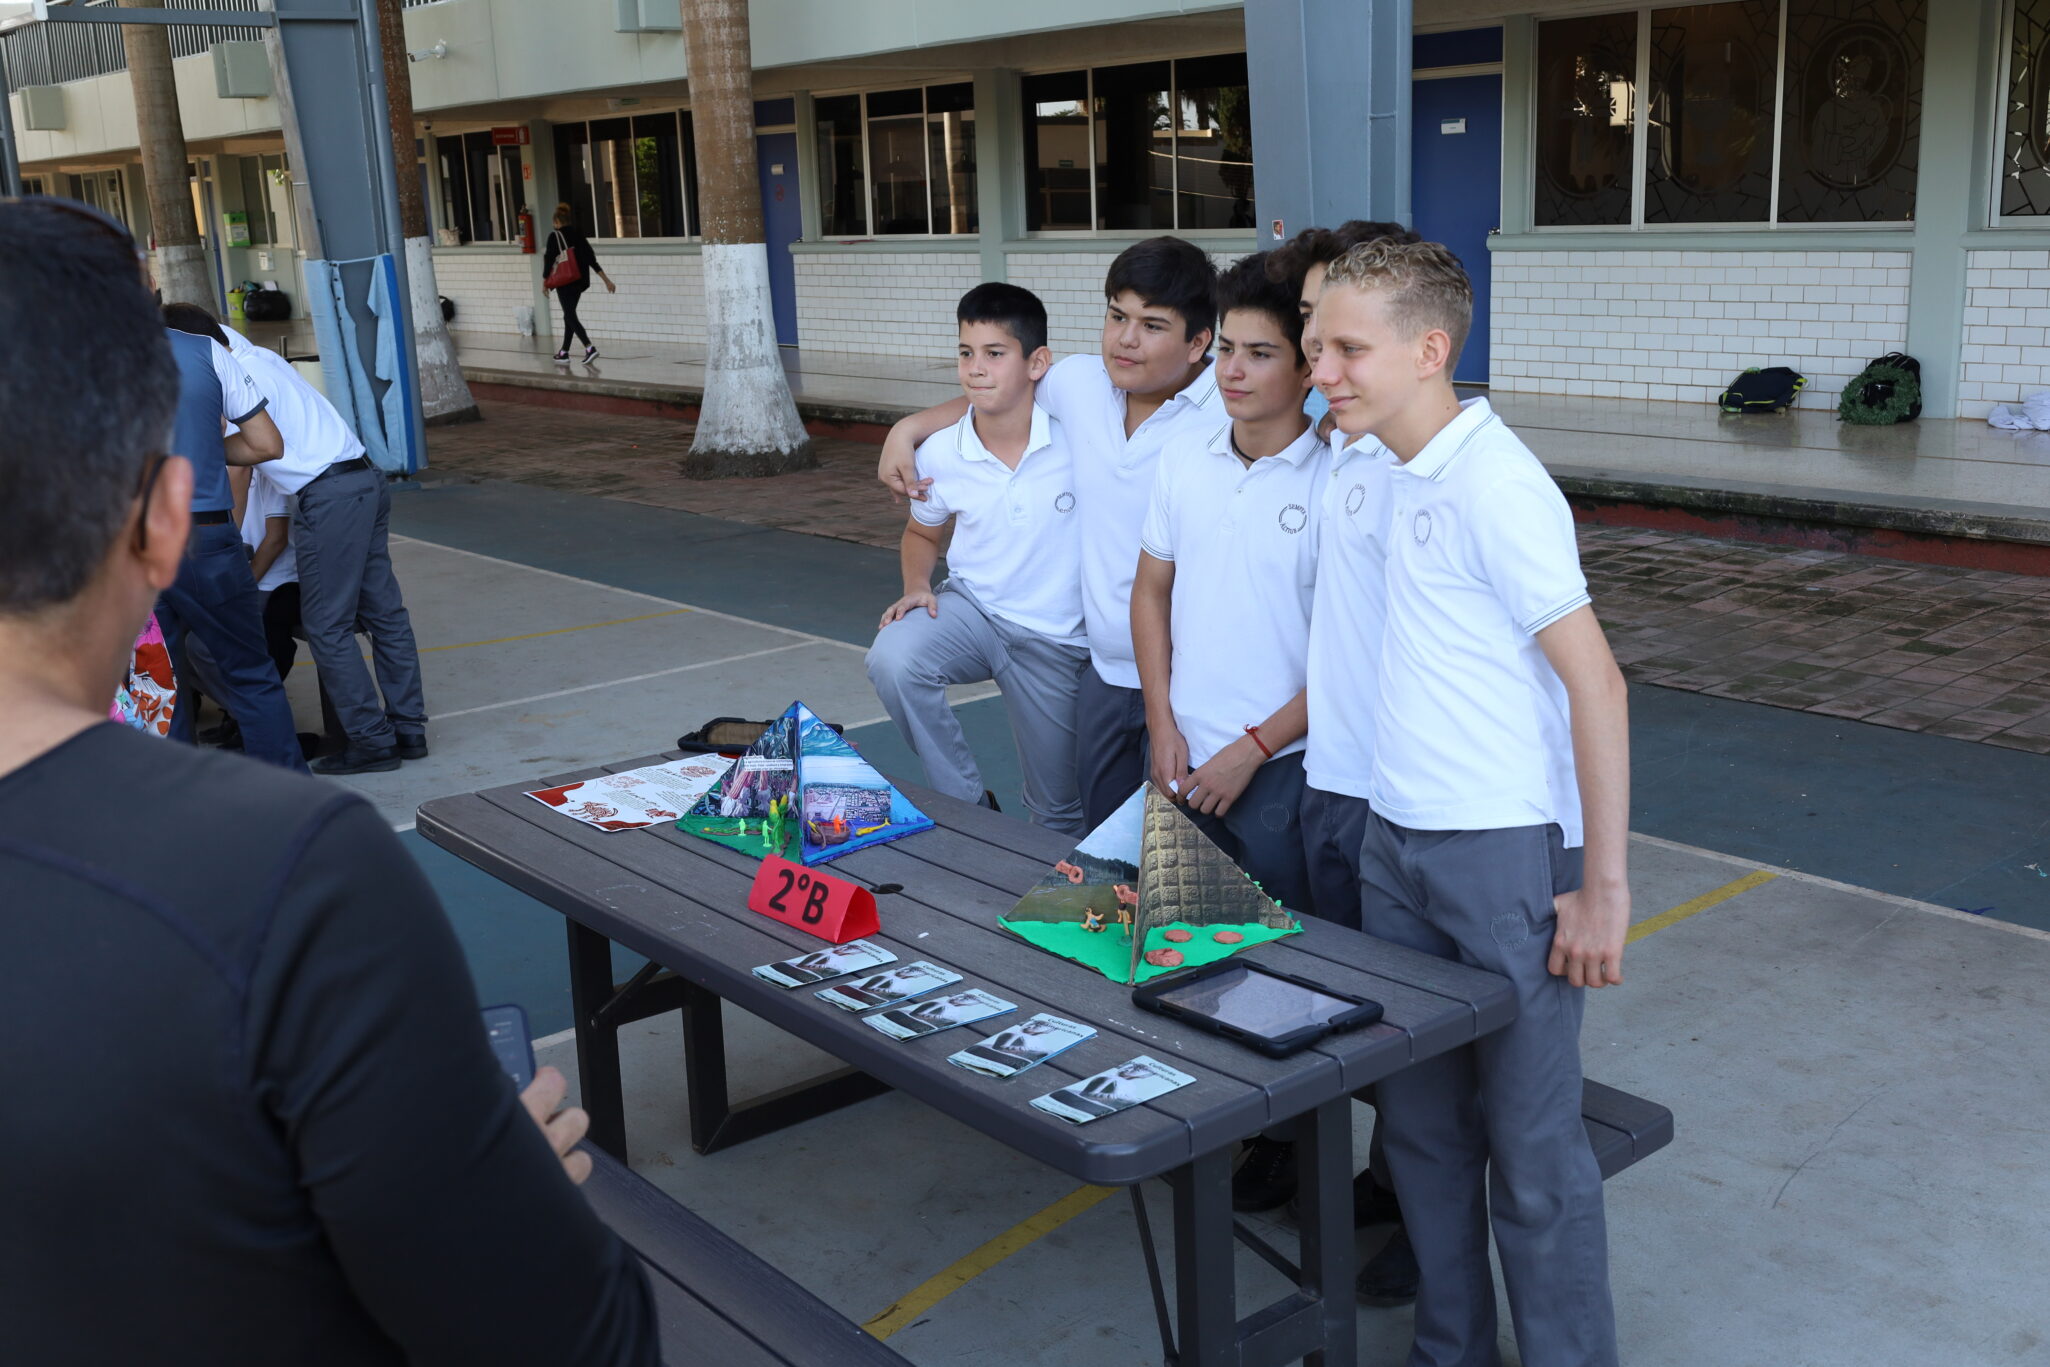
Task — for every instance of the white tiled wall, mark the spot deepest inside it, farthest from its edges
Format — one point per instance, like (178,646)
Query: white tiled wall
(1680,325)
(883,303)
(661,298)
(1071,284)
(2006,355)
(485,288)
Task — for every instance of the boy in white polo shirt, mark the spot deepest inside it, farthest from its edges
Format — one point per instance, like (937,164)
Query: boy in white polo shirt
(1221,601)
(1500,732)
(1151,382)
(1011,607)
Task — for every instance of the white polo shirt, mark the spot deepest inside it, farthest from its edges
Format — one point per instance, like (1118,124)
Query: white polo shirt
(316,436)
(1017,534)
(266,500)
(1114,481)
(1243,540)
(1350,612)
(1472,732)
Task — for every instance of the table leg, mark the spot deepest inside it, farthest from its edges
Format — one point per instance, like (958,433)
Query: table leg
(716,1122)
(590,990)
(1324,1177)
(1206,1301)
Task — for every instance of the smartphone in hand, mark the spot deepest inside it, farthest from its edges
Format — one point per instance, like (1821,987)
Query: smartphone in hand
(506,1026)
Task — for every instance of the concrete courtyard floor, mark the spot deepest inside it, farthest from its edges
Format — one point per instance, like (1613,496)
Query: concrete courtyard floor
(1857,1066)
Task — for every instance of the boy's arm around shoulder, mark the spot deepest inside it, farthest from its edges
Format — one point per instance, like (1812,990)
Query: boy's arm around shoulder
(897,467)
(1594,919)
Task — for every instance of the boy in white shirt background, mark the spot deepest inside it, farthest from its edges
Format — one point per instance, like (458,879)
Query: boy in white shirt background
(1151,381)
(1500,730)
(1011,607)
(1221,598)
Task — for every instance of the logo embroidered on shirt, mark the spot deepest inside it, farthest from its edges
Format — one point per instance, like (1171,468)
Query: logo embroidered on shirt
(1064,503)
(1293,518)
(1420,526)
(1354,498)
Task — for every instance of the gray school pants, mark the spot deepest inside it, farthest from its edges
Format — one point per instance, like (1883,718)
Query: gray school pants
(1110,729)
(1493,1130)
(916,657)
(1334,825)
(340,532)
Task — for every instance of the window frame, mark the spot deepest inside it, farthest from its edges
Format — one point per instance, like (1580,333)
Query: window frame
(1640,139)
(868,232)
(1996,119)
(686,172)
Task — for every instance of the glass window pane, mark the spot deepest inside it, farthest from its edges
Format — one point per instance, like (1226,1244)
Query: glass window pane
(512,175)
(614,199)
(884,104)
(455,188)
(1056,150)
(896,165)
(841,190)
(1852,132)
(1586,82)
(1708,148)
(2025,149)
(486,204)
(572,180)
(950,99)
(1134,148)
(951,146)
(658,172)
(255,203)
(1213,144)
(690,171)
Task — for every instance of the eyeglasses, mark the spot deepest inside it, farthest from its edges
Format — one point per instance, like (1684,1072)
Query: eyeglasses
(153,466)
(74,209)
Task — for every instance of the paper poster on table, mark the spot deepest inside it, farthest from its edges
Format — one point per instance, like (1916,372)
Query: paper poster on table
(637,798)
(1112,1090)
(834,961)
(1030,1042)
(939,1013)
(1146,893)
(887,989)
(804,793)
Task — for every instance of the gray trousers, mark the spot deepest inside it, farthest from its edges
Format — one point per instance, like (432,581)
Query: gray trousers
(1263,831)
(1493,1130)
(340,531)
(1110,729)
(916,657)
(1334,825)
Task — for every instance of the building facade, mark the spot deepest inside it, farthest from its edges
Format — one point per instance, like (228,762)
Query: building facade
(1651,198)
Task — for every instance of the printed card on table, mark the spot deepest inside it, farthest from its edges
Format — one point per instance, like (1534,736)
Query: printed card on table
(1112,1090)
(638,797)
(940,1013)
(1033,1041)
(834,961)
(887,989)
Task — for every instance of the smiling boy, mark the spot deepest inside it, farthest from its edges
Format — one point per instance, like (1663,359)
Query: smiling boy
(1011,607)
(1500,736)
(1151,382)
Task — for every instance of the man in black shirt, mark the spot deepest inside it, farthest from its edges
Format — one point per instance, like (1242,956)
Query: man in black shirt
(251,1113)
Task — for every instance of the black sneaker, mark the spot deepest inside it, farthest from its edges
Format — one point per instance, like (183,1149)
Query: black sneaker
(562,355)
(412,745)
(1266,1177)
(590,354)
(359,759)
(1390,1276)
(1372,1204)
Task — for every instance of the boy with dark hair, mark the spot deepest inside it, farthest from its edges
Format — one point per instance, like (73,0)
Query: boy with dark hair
(1221,599)
(1011,607)
(1500,733)
(1151,382)
(1302,260)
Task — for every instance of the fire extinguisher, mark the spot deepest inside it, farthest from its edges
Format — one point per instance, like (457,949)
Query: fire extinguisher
(526,232)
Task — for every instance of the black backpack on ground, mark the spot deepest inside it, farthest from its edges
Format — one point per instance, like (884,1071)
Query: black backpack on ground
(1885,392)
(1770,390)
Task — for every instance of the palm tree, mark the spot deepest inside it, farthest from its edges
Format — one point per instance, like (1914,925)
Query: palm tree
(444,393)
(748,423)
(180,263)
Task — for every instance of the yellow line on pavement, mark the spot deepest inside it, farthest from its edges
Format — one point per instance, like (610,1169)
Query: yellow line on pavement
(1699,904)
(937,1288)
(559,631)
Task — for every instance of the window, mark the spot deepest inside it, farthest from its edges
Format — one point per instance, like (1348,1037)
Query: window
(629,177)
(897,161)
(2025,150)
(1700,114)
(101,189)
(1149,147)
(483,187)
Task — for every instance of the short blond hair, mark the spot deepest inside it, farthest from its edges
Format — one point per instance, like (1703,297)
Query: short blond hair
(1423,283)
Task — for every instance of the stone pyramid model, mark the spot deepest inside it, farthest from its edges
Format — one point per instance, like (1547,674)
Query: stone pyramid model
(1184,876)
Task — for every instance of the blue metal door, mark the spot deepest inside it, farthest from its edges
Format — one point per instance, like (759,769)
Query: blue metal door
(1456,186)
(782,224)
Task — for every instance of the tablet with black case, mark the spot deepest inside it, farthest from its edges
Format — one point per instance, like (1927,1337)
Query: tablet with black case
(1276,1013)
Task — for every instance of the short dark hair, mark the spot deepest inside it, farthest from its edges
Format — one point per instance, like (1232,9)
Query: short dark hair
(195,320)
(1291,261)
(1248,285)
(1017,311)
(84,407)
(1168,273)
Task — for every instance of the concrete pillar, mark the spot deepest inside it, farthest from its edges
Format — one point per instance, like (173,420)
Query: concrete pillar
(1330,89)
(999,167)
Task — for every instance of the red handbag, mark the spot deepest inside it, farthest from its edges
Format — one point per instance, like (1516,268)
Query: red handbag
(567,272)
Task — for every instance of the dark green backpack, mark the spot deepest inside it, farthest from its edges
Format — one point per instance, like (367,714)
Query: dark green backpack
(1886,392)
(1770,390)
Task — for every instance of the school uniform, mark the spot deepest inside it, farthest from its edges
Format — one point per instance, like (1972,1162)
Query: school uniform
(1114,481)
(1010,610)
(1244,542)
(1475,827)
(278,590)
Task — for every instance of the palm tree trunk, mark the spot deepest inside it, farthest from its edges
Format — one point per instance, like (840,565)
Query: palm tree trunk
(180,262)
(444,393)
(748,423)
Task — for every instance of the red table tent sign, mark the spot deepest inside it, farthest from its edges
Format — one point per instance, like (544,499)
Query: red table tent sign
(816,903)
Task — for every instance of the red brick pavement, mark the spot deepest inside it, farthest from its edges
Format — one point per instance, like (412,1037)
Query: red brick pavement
(1953,652)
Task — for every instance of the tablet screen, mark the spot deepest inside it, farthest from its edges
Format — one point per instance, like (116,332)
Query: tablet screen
(1256,1002)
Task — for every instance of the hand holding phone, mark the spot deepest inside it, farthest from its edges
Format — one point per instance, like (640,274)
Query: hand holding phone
(506,1027)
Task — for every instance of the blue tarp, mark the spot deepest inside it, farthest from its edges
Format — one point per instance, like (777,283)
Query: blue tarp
(383,425)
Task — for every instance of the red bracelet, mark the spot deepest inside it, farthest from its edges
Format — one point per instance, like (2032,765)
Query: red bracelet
(1254,732)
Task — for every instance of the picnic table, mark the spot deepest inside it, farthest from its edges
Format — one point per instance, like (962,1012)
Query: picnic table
(681,903)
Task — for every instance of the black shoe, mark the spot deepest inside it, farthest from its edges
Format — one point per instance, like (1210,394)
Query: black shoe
(413,745)
(359,759)
(309,746)
(1266,1178)
(989,800)
(1390,1276)
(1372,1204)
(590,354)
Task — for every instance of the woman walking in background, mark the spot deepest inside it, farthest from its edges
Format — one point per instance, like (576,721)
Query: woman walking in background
(578,263)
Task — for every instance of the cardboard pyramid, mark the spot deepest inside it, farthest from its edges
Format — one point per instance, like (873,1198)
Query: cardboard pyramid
(802,792)
(1146,893)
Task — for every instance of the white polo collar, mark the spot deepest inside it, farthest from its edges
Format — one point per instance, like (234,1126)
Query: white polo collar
(1439,453)
(1197,393)
(970,444)
(1294,454)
